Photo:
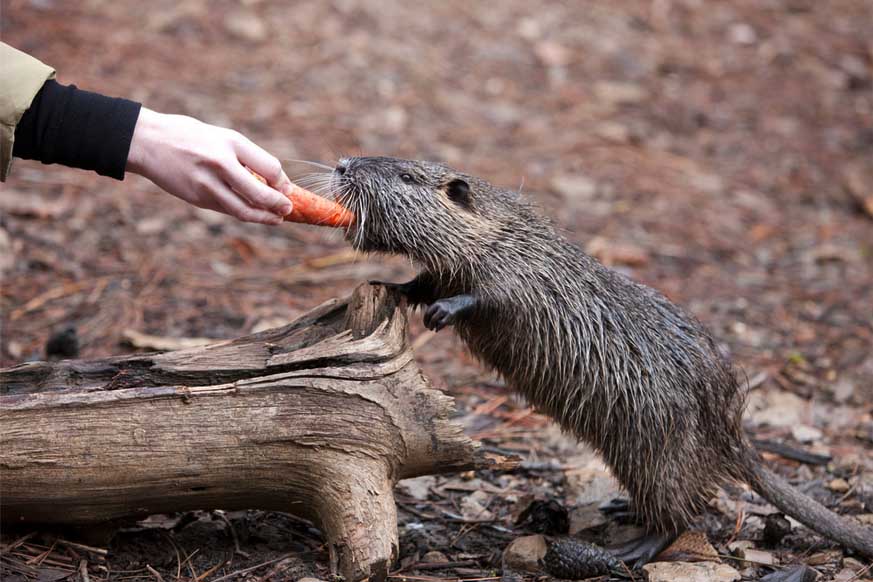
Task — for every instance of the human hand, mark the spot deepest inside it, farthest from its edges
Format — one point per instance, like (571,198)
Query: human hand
(206,165)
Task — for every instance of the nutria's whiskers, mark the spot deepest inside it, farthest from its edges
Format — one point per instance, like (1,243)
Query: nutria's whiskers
(311,163)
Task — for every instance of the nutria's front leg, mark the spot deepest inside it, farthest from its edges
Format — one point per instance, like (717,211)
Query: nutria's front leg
(418,291)
(448,311)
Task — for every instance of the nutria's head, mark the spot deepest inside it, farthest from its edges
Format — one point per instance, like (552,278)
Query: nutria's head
(424,210)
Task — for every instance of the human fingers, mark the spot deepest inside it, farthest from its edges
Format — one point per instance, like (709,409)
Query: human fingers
(230,203)
(262,162)
(255,192)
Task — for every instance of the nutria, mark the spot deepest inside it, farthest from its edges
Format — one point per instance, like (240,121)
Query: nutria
(613,361)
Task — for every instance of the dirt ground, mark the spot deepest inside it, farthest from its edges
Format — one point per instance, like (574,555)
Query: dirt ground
(719,151)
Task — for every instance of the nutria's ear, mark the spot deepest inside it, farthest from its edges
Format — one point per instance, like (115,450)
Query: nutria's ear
(458,192)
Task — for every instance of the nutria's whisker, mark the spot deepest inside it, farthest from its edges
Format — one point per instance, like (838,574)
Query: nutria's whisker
(316,181)
(311,176)
(311,163)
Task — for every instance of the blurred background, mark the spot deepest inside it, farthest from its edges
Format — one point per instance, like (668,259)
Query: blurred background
(721,152)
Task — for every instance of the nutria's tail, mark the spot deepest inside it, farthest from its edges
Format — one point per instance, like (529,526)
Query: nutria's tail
(804,509)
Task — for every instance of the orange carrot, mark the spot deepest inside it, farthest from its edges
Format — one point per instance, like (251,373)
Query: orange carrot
(310,208)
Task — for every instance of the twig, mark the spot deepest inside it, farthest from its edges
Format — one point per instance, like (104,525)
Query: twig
(53,293)
(251,569)
(229,525)
(738,524)
(465,529)
(277,569)
(861,572)
(470,521)
(178,555)
(422,340)
(738,559)
(40,558)
(487,408)
(51,561)
(193,572)
(83,571)
(443,565)
(406,507)
(17,543)
(18,566)
(211,570)
(84,548)
(189,556)
(155,573)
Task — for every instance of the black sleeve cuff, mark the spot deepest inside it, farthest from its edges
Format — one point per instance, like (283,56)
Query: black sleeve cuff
(75,128)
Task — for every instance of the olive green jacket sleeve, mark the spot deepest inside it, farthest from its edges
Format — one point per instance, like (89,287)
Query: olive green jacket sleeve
(21,78)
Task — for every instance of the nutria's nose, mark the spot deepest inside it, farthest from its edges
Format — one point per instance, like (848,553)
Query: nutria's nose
(341,167)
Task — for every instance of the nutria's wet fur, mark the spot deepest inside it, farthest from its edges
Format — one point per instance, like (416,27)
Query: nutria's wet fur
(613,361)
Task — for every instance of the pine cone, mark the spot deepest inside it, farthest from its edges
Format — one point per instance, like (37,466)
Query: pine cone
(574,560)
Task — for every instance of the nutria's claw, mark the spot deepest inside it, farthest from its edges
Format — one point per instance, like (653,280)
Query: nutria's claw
(447,311)
(437,316)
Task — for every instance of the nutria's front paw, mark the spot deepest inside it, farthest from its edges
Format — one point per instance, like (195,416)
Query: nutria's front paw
(447,311)
(438,315)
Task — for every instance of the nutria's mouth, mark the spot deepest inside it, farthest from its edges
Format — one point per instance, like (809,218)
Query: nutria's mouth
(348,194)
(337,182)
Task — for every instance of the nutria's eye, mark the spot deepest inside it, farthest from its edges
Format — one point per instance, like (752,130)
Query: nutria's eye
(459,193)
(407,178)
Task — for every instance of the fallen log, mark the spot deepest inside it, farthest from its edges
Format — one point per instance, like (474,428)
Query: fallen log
(319,418)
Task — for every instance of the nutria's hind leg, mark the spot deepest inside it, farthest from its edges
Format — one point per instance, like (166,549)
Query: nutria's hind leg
(448,311)
(641,550)
(615,505)
(619,509)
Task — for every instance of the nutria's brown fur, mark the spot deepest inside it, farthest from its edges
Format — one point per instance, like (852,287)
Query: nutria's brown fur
(613,361)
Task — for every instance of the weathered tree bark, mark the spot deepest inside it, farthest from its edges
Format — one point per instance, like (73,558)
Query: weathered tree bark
(319,418)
